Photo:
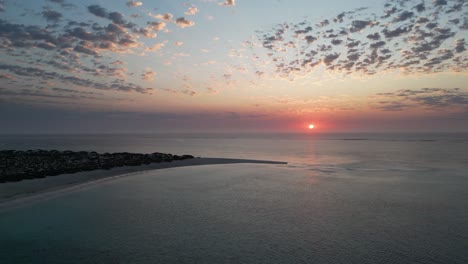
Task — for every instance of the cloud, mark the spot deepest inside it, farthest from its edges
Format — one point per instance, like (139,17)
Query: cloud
(183,22)
(113,37)
(405,15)
(157,26)
(115,17)
(228,3)
(180,54)
(393,33)
(377,44)
(51,15)
(46,46)
(35,93)
(85,50)
(393,106)
(375,36)
(189,92)
(191,11)
(460,45)
(62,3)
(41,74)
(420,7)
(6,76)
(97,11)
(358,25)
(134,3)
(440,2)
(156,47)
(21,33)
(65,90)
(330,58)
(429,98)
(148,75)
(337,41)
(167,16)
(303,31)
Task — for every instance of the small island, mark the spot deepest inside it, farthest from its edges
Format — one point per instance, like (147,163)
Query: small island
(19,165)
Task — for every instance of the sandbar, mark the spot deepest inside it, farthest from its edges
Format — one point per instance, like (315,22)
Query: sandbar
(17,193)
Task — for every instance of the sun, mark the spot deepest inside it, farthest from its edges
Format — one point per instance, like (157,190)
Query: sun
(311,126)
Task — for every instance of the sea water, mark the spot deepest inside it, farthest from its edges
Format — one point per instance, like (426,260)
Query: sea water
(342,198)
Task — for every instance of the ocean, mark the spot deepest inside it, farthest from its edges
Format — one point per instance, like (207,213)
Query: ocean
(342,198)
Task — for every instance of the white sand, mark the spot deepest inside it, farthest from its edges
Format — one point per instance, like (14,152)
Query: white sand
(26,190)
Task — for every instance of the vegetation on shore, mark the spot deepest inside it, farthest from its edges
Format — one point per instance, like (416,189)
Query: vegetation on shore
(19,165)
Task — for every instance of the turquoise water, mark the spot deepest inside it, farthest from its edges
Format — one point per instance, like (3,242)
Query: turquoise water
(378,199)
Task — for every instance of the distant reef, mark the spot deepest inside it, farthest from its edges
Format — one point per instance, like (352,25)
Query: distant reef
(19,165)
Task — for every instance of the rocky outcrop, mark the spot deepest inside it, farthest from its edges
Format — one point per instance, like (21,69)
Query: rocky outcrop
(18,165)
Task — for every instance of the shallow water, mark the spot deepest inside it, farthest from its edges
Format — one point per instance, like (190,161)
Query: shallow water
(340,200)
(246,214)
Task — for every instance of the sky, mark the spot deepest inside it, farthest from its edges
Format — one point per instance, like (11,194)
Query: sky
(95,66)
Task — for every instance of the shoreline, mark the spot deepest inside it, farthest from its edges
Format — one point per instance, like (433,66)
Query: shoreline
(17,193)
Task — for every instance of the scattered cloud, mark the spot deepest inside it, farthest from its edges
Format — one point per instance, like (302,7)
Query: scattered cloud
(228,3)
(116,17)
(405,35)
(71,95)
(157,26)
(98,11)
(41,74)
(180,54)
(191,11)
(428,98)
(189,92)
(62,3)
(134,3)
(412,40)
(65,90)
(51,15)
(183,22)
(148,75)
(6,76)
(78,52)
(166,17)
(156,46)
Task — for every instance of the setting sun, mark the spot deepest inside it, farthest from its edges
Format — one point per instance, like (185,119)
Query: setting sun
(311,126)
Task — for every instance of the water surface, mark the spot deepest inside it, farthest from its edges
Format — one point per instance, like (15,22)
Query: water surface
(343,198)
(247,214)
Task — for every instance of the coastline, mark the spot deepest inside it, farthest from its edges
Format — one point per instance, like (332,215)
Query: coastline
(17,193)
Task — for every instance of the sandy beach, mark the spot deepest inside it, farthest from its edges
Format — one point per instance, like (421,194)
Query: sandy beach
(16,193)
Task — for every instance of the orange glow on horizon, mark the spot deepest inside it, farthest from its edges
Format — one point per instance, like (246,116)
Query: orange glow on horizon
(311,126)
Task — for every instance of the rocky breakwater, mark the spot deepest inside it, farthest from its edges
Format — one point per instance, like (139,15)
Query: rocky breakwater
(18,165)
